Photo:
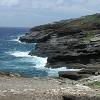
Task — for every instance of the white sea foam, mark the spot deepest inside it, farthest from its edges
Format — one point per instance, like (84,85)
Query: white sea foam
(16,39)
(54,72)
(19,54)
(39,62)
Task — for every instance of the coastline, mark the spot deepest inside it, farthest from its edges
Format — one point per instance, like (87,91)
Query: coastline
(16,87)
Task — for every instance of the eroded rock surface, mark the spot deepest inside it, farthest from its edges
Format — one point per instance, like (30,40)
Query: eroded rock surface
(76,75)
(44,89)
(68,42)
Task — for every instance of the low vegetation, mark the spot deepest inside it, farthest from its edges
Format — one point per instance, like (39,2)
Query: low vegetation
(95,84)
(87,37)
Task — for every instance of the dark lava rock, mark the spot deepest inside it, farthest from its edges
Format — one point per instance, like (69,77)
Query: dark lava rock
(74,41)
(69,74)
(90,71)
(76,75)
(80,98)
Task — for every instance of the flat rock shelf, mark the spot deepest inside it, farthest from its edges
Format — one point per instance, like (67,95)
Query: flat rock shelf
(14,88)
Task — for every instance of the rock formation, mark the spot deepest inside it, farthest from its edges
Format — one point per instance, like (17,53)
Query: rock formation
(76,75)
(73,42)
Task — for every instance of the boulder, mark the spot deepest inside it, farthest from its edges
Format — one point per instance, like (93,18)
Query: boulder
(71,97)
(76,75)
(90,71)
(70,74)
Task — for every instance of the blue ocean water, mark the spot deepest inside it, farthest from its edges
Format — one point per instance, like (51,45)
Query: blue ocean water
(14,55)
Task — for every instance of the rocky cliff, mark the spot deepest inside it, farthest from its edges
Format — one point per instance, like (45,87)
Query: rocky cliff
(74,42)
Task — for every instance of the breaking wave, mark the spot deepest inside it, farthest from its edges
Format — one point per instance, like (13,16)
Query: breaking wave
(38,62)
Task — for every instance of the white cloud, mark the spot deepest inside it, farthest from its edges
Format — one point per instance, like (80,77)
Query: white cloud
(9,2)
(51,4)
(64,4)
(60,1)
(47,10)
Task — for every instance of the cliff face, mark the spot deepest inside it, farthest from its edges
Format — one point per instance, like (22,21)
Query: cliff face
(73,42)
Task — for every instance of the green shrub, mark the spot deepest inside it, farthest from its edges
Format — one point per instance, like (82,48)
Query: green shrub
(87,37)
(95,84)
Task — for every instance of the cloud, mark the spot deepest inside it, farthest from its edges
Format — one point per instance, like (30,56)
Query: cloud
(65,5)
(44,11)
(51,4)
(9,2)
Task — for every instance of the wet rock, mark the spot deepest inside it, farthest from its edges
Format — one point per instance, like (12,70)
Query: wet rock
(9,74)
(76,75)
(80,98)
(70,74)
(90,71)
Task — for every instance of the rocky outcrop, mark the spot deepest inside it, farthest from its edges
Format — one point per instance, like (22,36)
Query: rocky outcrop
(76,75)
(70,75)
(80,98)
(68,42)
(9,74)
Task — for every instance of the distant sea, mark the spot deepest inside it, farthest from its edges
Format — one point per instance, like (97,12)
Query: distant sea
(14,56)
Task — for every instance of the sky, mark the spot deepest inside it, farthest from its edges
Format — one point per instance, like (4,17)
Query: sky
(29,13)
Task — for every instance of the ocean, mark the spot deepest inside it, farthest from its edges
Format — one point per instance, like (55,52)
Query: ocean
(14,56)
